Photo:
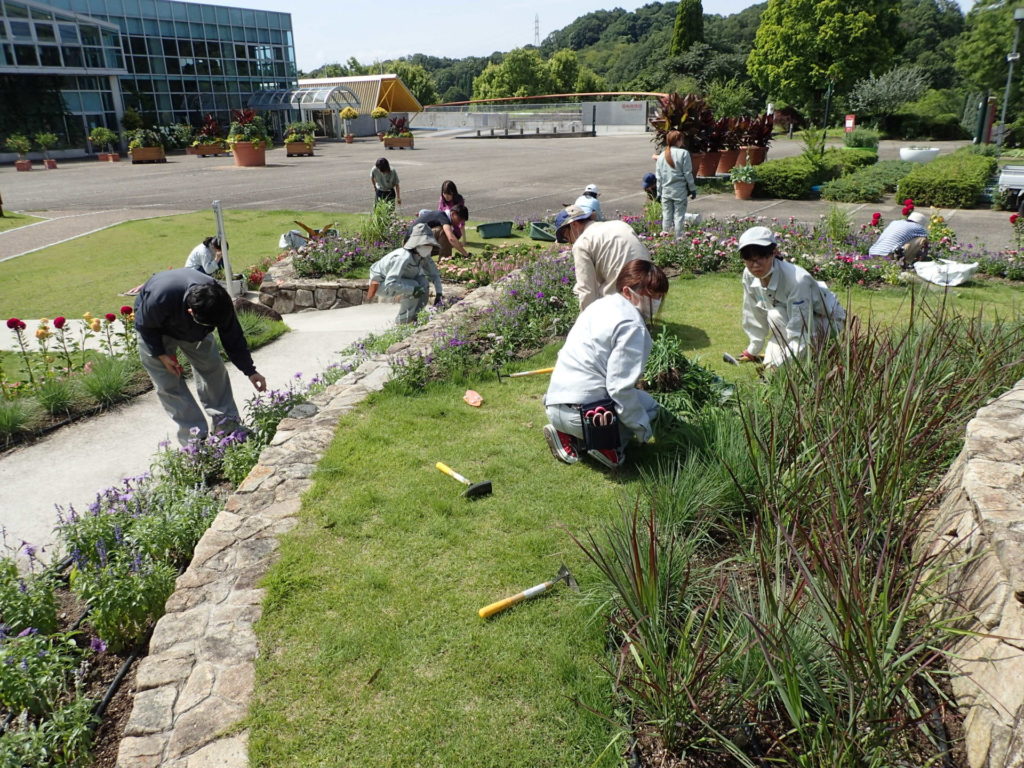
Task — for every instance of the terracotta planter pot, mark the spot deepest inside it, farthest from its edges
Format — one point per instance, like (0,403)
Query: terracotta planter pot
(696,159)
(49,163)
(108,157)
(206,150)
(743,190)
(756,154)
(298,149)
(398,142)
(148,155)
(349,138)
(249,155)
(23,165)
(709,163)
(726,160)
(380,135)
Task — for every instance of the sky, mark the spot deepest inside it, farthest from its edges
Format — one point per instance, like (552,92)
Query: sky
(327,32)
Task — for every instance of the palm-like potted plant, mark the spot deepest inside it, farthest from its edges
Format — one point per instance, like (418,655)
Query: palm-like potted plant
(743,178)
(348,114)
(249,138)
(209,139)
(398,135)
(45,140)
(757,137)
(730,151)
(378,114)
(18,142)
(146,146)
(298,139)
(104,137)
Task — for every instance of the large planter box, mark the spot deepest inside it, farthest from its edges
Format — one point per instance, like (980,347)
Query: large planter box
(398,142)
(23,165)
(298,149)
(206,150)
(249,155)
(108,157)
(148,155)
(495,229)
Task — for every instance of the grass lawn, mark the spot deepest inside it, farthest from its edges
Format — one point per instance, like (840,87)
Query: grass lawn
(14,220)
(372,651)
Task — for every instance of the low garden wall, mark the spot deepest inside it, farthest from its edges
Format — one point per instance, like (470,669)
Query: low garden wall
(284,291)
(196,683)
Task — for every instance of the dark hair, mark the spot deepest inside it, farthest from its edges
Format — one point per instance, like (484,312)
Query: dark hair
(461,210)
(449,188)
(213,242)
(752,250)
(210,303)
(383,165)
(642,276)
(671,140)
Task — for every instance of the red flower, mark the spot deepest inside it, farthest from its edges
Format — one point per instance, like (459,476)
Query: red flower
(875,218)
(15,324)
(111,317)
(1013,218)
(58,322)
(907,210)
(126,310)
(908,201)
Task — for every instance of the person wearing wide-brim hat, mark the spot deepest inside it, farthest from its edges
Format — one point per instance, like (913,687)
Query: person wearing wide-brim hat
(785,310)
(905,240)
(600,249)
(404,272)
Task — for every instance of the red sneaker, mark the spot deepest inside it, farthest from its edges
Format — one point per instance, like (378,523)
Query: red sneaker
(611,457)
(562,445)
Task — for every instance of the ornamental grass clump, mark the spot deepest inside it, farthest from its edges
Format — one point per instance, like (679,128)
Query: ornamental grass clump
(109,379)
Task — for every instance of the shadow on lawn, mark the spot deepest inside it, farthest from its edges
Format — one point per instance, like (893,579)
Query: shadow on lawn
(692,337)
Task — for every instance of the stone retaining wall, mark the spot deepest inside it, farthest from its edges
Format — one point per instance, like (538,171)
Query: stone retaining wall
(285,291)
(195,684)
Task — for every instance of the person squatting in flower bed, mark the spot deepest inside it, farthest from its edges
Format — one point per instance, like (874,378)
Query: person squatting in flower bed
(404,271)
(785,310)
(593,402)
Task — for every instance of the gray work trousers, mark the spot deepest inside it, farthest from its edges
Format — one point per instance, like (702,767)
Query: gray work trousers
(410,305)
(212,385)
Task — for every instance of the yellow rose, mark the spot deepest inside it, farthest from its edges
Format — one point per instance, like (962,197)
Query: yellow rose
(42,332)
(87,316)
(95,324)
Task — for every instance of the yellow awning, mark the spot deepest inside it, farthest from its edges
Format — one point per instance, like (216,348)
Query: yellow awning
(385,91)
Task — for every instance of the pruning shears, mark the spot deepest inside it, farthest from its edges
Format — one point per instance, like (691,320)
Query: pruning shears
(600,416)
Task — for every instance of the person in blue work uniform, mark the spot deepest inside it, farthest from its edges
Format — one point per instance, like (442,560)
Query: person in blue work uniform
(178,310)
(588,201)
(404,273)
(599,365)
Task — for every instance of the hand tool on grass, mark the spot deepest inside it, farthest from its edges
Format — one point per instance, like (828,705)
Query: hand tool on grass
(475,490)
(563,575)
(727,358)
(537,372)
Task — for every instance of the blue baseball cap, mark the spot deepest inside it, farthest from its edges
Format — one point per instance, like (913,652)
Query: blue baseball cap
(567,217)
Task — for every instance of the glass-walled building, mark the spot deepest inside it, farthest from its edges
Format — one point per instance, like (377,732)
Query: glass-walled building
(174,62)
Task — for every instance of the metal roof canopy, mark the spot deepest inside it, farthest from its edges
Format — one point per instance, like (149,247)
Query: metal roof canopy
(324,97)
(386,91)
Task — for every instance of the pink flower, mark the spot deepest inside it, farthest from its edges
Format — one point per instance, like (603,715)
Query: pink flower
(58,322)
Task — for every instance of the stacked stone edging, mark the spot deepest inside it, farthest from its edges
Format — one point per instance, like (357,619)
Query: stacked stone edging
(195,685)
(979,527)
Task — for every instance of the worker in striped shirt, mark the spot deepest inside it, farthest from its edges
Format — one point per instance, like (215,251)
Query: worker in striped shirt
(904,239)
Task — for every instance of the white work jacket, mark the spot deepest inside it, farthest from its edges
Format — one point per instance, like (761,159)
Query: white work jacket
(599,254)
(204,259)
(603,357)
(399,272)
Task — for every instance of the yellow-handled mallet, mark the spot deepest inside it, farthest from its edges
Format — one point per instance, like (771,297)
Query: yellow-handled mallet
(536,372)
(563,575)
(475,490)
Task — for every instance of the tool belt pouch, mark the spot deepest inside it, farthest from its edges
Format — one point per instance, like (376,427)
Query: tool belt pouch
(598,436)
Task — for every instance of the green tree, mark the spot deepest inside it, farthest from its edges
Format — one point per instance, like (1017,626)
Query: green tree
(802,46)
(930,31)
(416,79)
(522,72)
(564,68)
(982,49)
(689,27)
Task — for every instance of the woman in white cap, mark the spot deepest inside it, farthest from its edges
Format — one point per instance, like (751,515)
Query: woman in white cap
(588,201)
(404,272)
(903,239)
(785,310)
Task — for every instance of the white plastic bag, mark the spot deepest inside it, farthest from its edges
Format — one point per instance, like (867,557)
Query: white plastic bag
(945,272)
(291,239)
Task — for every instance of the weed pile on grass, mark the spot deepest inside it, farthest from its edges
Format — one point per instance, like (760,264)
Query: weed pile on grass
(766,595)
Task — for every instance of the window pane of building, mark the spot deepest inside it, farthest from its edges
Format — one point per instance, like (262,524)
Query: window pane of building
(20,30)
(68,33)
(25,55)
(49,56)
(73,56)
(45,33)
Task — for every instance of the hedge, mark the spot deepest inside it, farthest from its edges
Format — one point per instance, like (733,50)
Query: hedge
(791,178)
(949,181)
(867,185)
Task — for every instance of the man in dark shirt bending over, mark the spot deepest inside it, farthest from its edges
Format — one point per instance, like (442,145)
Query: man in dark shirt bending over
(178,309)
(447,228)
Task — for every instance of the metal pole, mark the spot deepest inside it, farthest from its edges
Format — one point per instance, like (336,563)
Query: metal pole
(1009,76)
(982,111)
(228,274)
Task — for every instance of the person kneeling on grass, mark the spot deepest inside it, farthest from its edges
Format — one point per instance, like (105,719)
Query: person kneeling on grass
(404,271)
(785,310)
(593,403)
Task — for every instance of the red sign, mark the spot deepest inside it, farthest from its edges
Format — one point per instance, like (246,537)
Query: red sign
(851,122)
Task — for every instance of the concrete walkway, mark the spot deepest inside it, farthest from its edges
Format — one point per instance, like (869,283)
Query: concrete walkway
(75,462)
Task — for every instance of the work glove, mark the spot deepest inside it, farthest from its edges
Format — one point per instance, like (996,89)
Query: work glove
(693,194)
(418,291)
(437,299)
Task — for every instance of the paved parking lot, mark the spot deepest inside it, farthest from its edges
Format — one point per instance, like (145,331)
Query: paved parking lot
(500,178)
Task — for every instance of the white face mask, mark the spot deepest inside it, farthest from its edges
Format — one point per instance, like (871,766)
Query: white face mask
(424,250)
(648,306)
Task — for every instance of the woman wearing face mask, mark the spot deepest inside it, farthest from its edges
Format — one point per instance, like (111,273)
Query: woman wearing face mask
(404,272)
(597,370)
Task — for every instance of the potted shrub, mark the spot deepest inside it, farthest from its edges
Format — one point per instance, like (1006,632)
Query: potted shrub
(18,142)
(743,178)
(45,140)
(398,135)
(348,114)
(378,114)
(918,154)
(146,146)
(757,137)
(690,116)
(209,140)
(249,139)
(298,139)
(104,137)
(730,145)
